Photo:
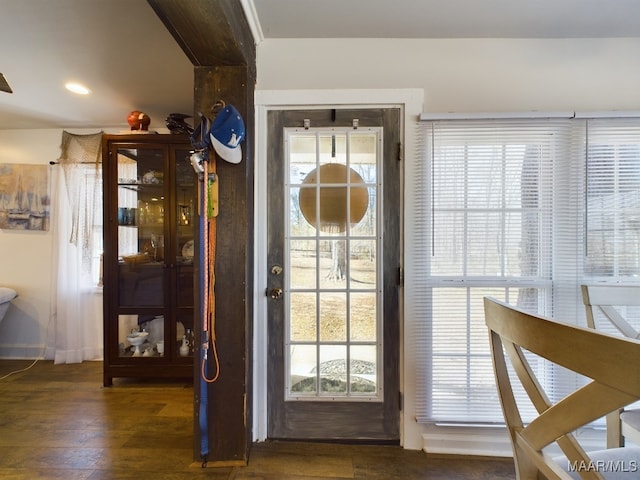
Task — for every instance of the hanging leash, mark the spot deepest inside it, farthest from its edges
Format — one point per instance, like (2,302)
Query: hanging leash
(208,274)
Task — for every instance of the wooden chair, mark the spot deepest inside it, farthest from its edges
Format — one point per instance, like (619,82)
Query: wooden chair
(611,364)
(621,424)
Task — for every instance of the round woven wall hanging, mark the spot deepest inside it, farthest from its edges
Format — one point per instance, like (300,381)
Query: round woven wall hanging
(331,179)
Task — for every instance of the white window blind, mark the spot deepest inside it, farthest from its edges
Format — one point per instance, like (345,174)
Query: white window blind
(524,210)
(612,209)
(502,204)
(613,199)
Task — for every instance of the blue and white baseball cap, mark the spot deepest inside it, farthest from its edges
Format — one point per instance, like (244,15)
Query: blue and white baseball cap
(226,134)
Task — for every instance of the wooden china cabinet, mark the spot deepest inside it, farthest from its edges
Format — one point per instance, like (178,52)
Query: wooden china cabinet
(149,229)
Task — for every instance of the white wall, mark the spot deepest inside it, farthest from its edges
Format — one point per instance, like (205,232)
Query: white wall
(465,75)
(26,256)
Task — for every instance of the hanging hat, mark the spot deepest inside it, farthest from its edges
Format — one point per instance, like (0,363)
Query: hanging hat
(227,132)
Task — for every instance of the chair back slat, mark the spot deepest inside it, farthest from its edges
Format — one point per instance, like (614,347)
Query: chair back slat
(610,299)
(606,298)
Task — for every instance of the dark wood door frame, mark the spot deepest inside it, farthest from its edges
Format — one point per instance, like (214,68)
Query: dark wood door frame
(382,426)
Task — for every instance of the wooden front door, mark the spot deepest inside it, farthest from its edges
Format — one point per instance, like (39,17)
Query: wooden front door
(333,274)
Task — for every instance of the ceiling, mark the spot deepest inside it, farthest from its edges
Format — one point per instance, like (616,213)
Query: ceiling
(129,60)
(448,18)
(118,48)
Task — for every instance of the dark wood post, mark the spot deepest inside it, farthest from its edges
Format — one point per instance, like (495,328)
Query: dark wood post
(229,398)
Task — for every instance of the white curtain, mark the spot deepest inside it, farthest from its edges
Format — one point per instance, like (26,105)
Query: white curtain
(76,328)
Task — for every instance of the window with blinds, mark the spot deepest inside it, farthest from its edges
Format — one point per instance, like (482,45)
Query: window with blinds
(522,210)
(613,198)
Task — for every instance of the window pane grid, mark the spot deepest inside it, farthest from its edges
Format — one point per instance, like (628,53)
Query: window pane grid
(341,284)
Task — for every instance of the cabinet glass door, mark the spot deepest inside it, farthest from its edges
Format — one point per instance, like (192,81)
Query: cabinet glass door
(184,230)
(141,250)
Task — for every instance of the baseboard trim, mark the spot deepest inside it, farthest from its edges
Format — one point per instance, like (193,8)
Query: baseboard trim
(473,441)
(490,441)
(22,352)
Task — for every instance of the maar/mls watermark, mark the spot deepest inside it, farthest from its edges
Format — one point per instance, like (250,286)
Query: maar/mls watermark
(605,466)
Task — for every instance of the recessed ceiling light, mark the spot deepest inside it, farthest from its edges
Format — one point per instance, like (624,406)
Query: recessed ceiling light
(77,88)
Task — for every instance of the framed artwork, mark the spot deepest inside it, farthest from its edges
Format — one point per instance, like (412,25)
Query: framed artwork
(24,197)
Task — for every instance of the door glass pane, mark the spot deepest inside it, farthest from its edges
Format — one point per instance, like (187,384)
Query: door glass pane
(138,335)
(362,263)
(333,149)
(363,161)
(302,158)
(333,263)
(141,219)
(367,226)
(303,376)
(333,371)
(299,223)
(363,314)
(333,317)
(303,256)
(363,155)
(302,324)
(184,334)
(333,298)
(185,193)
(363,361)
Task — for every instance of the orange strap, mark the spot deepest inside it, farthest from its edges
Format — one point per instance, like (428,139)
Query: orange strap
(208,276)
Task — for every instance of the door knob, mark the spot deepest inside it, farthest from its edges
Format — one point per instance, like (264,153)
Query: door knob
(276,293)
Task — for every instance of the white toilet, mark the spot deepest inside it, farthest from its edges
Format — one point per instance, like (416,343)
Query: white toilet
(6,295)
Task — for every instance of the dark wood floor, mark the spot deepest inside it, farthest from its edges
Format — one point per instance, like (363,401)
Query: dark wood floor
(58,422)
